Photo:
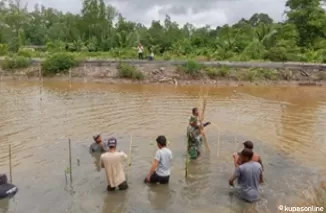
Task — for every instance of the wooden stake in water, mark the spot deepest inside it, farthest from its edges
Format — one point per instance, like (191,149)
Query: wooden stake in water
(218,144)
(10,164)
(40,74)
(129,154)
(186,163)
(202,130)
(70,162)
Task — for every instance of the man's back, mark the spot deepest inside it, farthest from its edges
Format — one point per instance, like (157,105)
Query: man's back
(112,162)
(164,157)
(249,178)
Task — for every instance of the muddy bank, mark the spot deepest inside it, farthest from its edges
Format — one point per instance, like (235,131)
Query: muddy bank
(175,72)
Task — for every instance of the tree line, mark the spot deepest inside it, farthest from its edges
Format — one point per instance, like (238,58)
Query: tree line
(99,28)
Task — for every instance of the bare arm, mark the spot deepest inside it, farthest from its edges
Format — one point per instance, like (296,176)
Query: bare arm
(235,175)
(152,169)
(231,180)
(236,159)
(124,156)
(261,178)
(193,124)
(261,163)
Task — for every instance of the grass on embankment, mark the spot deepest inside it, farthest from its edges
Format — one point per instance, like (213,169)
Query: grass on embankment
(129,72)
(195,70)
(61,63)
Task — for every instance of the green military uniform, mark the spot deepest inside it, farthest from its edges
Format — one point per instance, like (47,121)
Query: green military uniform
(194,138)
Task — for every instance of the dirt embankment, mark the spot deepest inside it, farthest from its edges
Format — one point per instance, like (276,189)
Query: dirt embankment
(176,72)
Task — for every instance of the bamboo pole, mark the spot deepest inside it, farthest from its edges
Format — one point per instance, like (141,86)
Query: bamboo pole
(186,162)
(218,144)
(202,128)
(41,83)
(10,164)
(129,154)
(70,162)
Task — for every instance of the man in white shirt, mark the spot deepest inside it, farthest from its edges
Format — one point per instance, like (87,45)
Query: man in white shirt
(160,170)
(112,162)
(140,51)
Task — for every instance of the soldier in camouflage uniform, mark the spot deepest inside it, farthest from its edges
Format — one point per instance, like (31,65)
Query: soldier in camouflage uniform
(193,134)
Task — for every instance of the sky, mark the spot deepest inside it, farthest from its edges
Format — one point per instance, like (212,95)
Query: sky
(197,12)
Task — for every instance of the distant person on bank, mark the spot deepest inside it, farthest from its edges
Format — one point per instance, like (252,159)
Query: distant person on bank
(151,56)
(97,146)
(249,175)
(112,162)
(161,166)
(248,145)
(140,51)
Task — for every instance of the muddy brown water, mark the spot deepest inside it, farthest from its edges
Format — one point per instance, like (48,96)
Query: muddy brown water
(287,125)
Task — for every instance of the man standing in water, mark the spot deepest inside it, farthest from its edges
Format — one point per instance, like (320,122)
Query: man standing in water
(247,145)
(249,174)
(160,170)
(193,134)
(97,146)
(111,161)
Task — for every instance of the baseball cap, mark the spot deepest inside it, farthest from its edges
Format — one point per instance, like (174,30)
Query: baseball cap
(112,142)
(248,144)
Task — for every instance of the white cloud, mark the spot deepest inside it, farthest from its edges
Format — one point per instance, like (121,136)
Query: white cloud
(196,12)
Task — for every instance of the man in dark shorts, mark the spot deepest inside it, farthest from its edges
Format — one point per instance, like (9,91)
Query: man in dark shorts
(7,190)
(112,162)
(160,170)
(249,175)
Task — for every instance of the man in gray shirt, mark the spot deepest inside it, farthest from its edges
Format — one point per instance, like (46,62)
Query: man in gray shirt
(160,170)
(97,146)
(250,175)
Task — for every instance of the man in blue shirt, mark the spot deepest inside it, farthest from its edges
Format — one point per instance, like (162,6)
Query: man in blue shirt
(249,175)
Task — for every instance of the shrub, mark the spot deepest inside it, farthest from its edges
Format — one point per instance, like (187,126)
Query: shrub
(191,68)
(58,63)
(260,73)
(224,71)
(26,52)
(167,56)
(267,74)
(3,49)
(55,46)
(276,54)
(129,71)
(250,75)
(211,72)
(15,62)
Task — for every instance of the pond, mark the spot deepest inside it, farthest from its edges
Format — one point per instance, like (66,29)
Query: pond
(286,124)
